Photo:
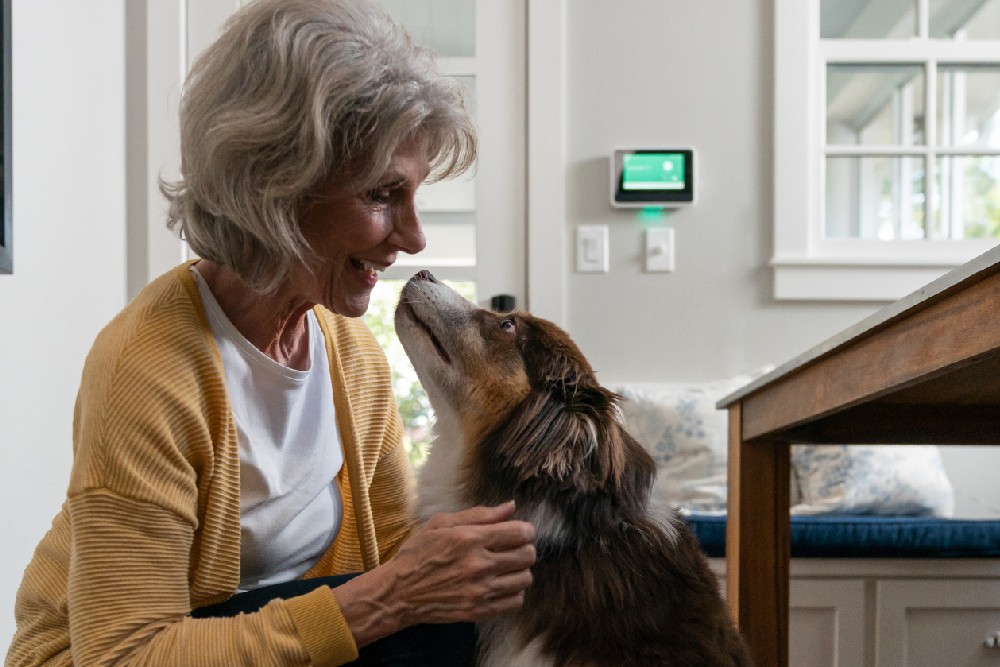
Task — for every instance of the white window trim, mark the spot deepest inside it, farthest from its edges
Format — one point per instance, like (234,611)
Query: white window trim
(546,242)
(806,265)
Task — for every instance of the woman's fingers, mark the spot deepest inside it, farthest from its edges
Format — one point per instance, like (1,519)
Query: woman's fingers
(516,559)
(511,583)
(498,606)
(469,565)
(508,535)
(474,516)
(491,526)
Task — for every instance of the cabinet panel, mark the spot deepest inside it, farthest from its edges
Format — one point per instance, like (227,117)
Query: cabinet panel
(931,623)
(891,613)
(826,623)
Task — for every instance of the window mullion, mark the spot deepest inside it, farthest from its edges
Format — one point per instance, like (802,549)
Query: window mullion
(956,102)
(903,108)
(930,139)
(897,51)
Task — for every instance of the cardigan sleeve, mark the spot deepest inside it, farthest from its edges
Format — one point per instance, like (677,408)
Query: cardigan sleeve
(129,600)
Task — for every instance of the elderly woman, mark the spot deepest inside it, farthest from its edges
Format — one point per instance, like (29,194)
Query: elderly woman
(237,445)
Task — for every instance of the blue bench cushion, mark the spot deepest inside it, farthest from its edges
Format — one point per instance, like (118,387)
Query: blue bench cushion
(841,536)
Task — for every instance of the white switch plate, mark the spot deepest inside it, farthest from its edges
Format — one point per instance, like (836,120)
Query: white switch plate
(592,248)
(660,249)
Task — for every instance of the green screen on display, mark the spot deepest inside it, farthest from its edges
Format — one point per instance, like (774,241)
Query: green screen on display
(653,171)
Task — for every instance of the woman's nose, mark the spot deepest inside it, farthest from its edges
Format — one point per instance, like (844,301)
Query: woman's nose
(407,232)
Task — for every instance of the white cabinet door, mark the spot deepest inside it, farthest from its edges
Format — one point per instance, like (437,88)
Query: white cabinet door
(936,623)
(826,623)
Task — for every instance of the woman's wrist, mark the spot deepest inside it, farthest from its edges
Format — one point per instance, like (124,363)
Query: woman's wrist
(368,607)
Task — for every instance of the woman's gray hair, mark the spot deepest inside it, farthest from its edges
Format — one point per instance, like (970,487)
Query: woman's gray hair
(292,93)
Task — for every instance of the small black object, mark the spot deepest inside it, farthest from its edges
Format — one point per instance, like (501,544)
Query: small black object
(502,303)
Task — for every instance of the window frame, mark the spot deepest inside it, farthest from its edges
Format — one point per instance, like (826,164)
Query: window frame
(806,265)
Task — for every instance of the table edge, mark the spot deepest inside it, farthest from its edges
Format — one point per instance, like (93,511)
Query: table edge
(974,270)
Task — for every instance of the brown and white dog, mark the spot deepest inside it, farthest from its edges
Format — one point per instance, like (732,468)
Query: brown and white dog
(520,414)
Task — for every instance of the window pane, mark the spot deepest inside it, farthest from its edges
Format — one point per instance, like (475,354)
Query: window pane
(868,19)
(875,197)
(969,106)
(875,105)
(454,194)
(447,26)
(968,197)
(964,19)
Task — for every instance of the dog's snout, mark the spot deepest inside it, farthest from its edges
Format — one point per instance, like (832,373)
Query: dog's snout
(424,274)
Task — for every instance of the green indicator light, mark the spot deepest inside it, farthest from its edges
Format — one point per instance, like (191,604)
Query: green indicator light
(651,213)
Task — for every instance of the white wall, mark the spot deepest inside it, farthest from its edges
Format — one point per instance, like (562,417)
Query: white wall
(69,253)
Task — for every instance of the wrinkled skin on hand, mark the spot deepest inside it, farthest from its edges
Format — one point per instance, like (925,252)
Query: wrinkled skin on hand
(466,566)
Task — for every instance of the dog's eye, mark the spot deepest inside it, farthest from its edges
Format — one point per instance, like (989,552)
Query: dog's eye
(508,326)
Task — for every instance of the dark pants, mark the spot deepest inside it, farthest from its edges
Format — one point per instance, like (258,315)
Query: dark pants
(441,645)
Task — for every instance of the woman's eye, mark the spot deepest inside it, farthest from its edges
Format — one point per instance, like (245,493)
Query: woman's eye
(508,325)
(380,196)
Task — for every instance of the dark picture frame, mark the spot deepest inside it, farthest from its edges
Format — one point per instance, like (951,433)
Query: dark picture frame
(6,228)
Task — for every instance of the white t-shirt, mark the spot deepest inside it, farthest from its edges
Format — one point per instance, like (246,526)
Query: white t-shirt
(290,452)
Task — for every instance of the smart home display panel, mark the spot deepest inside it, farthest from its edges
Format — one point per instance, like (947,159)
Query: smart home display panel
(652,177)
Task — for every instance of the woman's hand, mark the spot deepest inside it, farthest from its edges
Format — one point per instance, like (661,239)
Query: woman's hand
(467,566)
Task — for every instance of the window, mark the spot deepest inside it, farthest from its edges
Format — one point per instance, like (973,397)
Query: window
(887,143)
(448,208)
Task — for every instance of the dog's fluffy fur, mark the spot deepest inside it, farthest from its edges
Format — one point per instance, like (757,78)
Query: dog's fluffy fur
(520,415)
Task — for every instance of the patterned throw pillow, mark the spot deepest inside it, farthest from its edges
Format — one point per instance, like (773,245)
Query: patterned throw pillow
(687,436)
(902,480)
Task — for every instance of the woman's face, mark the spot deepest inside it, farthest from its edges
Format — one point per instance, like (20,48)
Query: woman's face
(354,235)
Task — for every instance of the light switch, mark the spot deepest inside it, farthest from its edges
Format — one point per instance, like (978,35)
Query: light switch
(592,248)
(660,249)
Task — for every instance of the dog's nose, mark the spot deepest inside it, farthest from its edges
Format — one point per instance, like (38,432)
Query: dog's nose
(425,275)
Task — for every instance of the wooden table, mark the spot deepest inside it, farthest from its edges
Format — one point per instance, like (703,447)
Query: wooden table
(925,370)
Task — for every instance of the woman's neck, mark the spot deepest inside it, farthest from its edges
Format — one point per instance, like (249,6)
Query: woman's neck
(274,323)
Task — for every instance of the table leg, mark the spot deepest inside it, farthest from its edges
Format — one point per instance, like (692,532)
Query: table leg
(757,543)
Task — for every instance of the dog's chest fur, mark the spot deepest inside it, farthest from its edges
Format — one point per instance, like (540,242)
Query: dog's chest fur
(441,479)
(443,487)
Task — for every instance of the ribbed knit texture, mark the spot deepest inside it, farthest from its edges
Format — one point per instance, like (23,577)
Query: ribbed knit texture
(150,528)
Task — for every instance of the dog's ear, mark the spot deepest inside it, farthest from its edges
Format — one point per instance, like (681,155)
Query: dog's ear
(578,449)
(544,441)
(553,361)
(568,430)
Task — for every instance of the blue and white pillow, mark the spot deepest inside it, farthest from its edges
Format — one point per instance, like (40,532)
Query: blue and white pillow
(686,435)
(901,480)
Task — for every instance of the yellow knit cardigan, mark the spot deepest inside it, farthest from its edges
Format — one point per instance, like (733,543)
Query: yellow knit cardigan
(151,525)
